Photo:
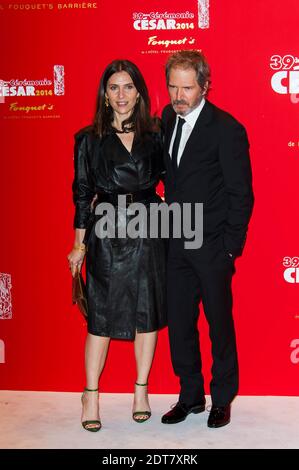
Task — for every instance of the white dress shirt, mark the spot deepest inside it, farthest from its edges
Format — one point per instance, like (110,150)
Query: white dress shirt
(187,128)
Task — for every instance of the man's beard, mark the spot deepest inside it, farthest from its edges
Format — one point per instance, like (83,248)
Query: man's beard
(181,102)
(189,108)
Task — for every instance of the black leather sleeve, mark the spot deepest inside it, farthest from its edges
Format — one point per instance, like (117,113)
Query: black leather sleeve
(82,187)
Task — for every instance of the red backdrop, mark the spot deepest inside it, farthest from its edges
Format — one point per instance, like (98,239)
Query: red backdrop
(253,52)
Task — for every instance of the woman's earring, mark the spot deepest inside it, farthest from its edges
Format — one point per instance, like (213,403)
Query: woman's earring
(137,99)
(106,102)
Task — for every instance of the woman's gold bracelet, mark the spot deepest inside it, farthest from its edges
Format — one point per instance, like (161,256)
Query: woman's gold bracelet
(80,247)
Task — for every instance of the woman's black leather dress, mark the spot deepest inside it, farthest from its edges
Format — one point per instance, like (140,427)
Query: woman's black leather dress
(125,277)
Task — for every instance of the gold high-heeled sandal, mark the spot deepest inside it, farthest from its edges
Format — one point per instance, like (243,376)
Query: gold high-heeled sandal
(146,414)
(87,423)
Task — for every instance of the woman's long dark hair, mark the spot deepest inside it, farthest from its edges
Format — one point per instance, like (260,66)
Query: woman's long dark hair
(140,120)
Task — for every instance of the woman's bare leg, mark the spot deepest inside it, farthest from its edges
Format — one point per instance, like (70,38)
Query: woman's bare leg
(96,348)
(145,345)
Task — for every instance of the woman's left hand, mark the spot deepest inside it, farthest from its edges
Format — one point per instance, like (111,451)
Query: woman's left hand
(75,259)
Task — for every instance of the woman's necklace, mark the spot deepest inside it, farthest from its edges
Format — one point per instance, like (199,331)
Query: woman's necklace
(125,131)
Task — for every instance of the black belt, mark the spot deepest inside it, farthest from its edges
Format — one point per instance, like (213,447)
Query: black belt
(135,196)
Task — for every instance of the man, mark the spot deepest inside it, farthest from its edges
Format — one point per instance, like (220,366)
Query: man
(207,161)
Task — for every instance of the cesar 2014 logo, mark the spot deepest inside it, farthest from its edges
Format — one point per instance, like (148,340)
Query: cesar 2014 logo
(155,20)
(285,80)
(27,87)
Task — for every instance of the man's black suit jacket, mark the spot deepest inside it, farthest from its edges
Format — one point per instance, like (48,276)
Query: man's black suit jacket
(215,170)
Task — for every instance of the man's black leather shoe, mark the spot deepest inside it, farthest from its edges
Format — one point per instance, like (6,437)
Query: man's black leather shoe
(181,411)
(219,416)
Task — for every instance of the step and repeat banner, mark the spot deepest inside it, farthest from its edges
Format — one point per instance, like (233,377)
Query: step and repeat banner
(53,55)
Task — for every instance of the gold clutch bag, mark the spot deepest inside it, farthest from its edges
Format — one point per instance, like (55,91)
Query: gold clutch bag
(79,293)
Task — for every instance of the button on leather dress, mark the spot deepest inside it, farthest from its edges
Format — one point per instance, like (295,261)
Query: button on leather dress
(125,277)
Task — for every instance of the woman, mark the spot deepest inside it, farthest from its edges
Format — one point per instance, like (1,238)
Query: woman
(120,154)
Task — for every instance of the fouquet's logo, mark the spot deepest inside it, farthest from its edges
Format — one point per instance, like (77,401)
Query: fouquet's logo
(285,79)
(25,87)
(291,272)
(5,296)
